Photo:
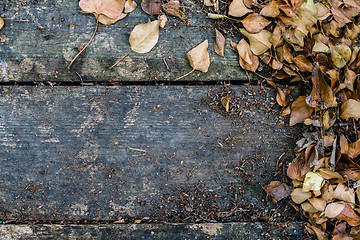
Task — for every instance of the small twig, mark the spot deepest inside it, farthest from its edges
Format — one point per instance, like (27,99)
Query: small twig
(15,20)
(184,75)
(131,162)
(82,50)
(167,66)
(118,61)
(136,149)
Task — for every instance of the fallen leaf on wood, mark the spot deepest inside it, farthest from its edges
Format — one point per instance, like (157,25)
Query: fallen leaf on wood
(237,8)
(350,109)
(280,96)
(144,36)
(340,55)
(259,42)
(173,8)
(271,9)
(108,21)
(247,60)
(219,43)
(299,196)
(278,190)
(109,8)
(130,6)
(1,23)
(254,23)
(299,111)
(354,149)
(151,7)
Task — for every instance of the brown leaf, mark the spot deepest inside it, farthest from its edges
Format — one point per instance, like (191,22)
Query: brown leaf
(318,203)
(320,235)
(350,109)
(354,149)
(278,190)
(130,6)
(315,98)
(303,64)
(323,12)
(254,23)
(349,215)
(237,8)
(299,111)
(344,193)
(108,21)
(163,20)
(287,53)
(259,42)
(144,36)
(350,77)
(276,37)
(281,96)
(1,23)
(328,174)
(340,228)
(344,145)
(199,58)
(109,8)
(173,8)
(271,9)
(343,11)
(351,174)
(225,101)
(332,210)
(308,207)
(247,59)
(151,7)
(298,196)
(219,43)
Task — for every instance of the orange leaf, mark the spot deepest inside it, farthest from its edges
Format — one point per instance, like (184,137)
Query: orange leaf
(254,23)
(300,111)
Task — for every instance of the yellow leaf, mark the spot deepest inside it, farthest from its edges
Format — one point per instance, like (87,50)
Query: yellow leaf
(1,23)
(199,58)
(259,42)
(144,36)
(109,8)
(313,182)
(237,8)
(340,55)
(350,109)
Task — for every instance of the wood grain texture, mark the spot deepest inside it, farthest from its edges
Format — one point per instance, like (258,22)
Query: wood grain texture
(241,231)
(165,153)
(41,49)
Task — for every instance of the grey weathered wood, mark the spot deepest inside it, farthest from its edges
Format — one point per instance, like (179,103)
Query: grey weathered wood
(163,153)
(242,231)
(29,54)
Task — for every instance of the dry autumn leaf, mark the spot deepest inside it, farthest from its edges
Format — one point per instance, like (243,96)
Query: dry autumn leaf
(173,8)
(350,109)
(144,36)
(254,23)
(109,8)
(299,196)
(344,193)
(198,58)
(1,23)
(280,96)
(302,63)
(151,7)
(237,8)
(259,42)
(247,59)
(271,9)
(299,111)
(318,203)
(354,149)
(130,6)
(278,190)
(108,21)
(219,43)
(340,55)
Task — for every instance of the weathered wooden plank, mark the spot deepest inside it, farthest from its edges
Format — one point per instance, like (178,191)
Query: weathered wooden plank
(242,231)
(151,153)
(41,49)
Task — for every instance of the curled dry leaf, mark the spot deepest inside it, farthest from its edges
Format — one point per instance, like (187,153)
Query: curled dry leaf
(276,37)
(199,58)
(299,196)
(350,77)
(323,12)
(237,8)
(1,23)
(247,59)
(297,169)
(130,6)
(219,43)
(342,211)
(280,96)
(225,102)
(254,23)
(315,98)
(173,8)
(151,7)
(144,36)
(340,55)
(271,9)
(299,111)
(163,20)
(259,42)
(354,149)
(320,235)
(278,190)
(350,109)
(109,8)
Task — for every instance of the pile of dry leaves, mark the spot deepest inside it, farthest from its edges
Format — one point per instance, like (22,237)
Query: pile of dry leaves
(316,43)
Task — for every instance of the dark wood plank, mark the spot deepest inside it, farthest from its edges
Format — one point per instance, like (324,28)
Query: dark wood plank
(242,231)
(41,49)
(153,153)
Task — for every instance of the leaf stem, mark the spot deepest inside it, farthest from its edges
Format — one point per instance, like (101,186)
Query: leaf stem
(82,50)
(184,75)
(120,59)
(15,20)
